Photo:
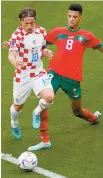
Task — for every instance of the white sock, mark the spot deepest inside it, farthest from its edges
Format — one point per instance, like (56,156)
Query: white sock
(42,106)
(14,117)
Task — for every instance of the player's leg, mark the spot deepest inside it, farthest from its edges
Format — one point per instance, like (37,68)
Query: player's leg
(43,88)
(46,99)
(44,135)
(45,140)
(55,81)
(73,90)
(84,113)
(14,114)
(20,94)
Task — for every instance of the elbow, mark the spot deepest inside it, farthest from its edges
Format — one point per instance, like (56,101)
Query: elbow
(9,58)
(12,57)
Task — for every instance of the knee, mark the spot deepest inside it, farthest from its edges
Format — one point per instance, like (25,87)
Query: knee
(50,97)
(15,108)
(18,107)
(47,95)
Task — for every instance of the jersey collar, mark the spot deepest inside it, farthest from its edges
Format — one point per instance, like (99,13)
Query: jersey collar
(73,30)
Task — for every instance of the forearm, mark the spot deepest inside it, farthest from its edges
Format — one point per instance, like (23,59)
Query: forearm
(17,63)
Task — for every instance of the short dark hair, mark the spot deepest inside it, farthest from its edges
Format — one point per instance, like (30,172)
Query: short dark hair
(27,12)
(76,7)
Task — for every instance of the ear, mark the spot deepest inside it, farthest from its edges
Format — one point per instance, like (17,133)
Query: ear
(20,20)
(81,18)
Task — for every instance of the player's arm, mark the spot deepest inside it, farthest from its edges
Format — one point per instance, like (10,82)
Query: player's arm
(51,36)
(47,53)
(94,42)
(5,44)
(99,47)
(14,45)
(12,59)
(50,39)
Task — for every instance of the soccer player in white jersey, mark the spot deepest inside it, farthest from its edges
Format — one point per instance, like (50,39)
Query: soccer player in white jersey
(27,44)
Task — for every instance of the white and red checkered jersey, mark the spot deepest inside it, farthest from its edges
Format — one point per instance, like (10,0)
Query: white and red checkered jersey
(29,51)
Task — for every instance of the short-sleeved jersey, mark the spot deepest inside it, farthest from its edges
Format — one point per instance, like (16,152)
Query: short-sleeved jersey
(29,51)
(71,46)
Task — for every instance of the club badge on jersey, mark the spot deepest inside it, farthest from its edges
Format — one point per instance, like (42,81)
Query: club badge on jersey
(12,44)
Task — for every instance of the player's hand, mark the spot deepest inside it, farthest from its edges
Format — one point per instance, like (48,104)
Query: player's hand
(19,65)
(48,53)
(5,44)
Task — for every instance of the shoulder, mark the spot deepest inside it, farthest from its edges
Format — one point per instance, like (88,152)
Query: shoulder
(58,30)
(86,33)
(18,33)
(40,29)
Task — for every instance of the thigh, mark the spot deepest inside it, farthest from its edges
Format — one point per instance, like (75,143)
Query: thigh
(72,89)
(21,92)
(55,80)
(40,83)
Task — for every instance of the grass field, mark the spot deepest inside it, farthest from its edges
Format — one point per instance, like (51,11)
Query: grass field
(77,146)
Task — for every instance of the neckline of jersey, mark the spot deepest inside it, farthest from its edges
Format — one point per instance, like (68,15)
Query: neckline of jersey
(73,30)
(26,33)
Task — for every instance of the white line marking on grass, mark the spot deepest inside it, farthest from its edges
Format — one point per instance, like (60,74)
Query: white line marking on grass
(49,174)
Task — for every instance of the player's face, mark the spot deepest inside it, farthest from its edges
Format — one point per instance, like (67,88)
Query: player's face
(74,18)
(28,24)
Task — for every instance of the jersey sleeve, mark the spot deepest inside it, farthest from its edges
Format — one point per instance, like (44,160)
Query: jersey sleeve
(44,42)
(51,36)
(14,42)
(93,42)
